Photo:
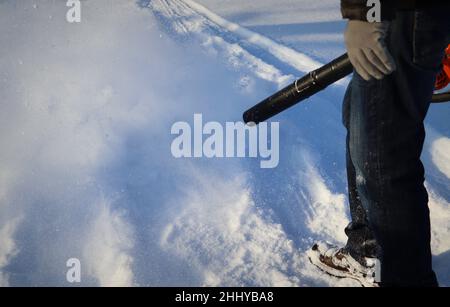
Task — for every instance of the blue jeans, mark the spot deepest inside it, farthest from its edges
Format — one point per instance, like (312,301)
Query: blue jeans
(385,123)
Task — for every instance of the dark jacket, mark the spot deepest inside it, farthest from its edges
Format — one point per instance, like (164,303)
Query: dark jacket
(357,9)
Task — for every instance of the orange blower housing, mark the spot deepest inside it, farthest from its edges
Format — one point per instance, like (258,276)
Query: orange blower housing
(443,78)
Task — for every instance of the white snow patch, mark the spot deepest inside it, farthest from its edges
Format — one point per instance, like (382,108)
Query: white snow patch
(107,253)
(440,154)
(327,211)
(220,231)
(440,225)
(8,248)
(238,58)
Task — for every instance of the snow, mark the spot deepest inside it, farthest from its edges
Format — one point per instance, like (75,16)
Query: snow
(288,55)
(314,28)
(86,170)
(439,151)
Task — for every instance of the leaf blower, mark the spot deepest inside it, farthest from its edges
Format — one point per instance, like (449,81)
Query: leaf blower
(320,79)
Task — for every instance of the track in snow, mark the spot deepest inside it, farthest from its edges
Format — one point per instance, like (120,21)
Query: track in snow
(240,46)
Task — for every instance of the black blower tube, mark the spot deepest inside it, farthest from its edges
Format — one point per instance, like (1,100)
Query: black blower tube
(305,87)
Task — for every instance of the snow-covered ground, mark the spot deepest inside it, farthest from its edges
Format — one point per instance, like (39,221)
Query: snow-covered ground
(85,164)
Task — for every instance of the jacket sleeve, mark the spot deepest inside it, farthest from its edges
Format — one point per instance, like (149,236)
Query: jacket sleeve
(357,9)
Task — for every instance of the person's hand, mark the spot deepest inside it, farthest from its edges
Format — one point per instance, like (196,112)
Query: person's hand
(367,49)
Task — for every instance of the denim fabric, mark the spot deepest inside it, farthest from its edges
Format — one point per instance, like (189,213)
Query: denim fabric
(385,124)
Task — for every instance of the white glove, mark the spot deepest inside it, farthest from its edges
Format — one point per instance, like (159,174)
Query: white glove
(367,49)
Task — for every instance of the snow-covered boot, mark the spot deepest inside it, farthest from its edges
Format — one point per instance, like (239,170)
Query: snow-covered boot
(339,263)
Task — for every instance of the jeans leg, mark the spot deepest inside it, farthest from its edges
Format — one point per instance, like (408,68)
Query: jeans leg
(386,136)
(361,242)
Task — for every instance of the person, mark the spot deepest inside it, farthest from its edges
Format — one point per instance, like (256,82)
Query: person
(396,60)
